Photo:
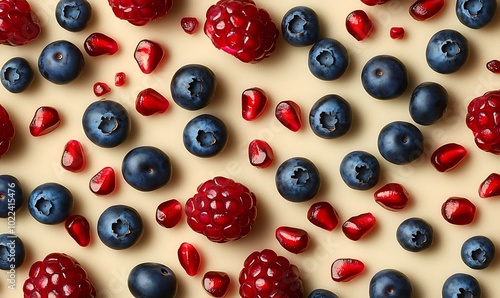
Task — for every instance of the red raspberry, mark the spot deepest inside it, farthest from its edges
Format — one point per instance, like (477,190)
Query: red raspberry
(241,29)
(7,131)
(483,118)
(265,274)
(58,275)
(18,23)
(222,210)
(141,12)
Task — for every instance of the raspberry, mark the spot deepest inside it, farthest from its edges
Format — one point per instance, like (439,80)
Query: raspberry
(58,275)
(222,210)
(483,118)
(241,29)
(265,274)
(18,23)
(7,131)
(140,13)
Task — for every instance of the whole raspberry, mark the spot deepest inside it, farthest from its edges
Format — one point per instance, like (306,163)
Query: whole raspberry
(7,131)
(141,12)
(18,23)
(483,118)
(58,275)
(241,29)
(222,210)
(265,274)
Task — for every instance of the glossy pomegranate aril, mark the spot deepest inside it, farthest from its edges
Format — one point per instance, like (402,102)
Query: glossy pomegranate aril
(120,79)
(448,157)
(358,226)
(422,10)
(148,55)
(458,211)
(73,158)
(253,103)
(189,24)
(344,270)
(169,213)
(7,131)
(98,44)
(490,187)
(45,120)
(216,283)
(392,196)
(78,228)
(323,215)
(260,154)
(359,25)
(294,240)
(189,258)
(397,32)
(374,2)
(149,102)
(101,88)
(493,66)
(104,182)
(288,113)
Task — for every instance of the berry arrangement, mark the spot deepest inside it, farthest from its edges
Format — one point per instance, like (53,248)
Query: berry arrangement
(229,148)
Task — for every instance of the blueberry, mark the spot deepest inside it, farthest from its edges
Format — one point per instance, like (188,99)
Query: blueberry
(193,86)
(106,123)
(384,77)
(414,234)
(119,227)
(390,283)
(447,51)
(16,75)
(328,59)
(61,62)
(73,15)
(475,14)
(400,142)
(461,285)
(321,293)
(11,196)
(12,251)
(152,280)
(300,26)
(360,170)
(146,168)
(330,117)
(50,203)
(297,179)
(477,252)
(205,135)
(428,103)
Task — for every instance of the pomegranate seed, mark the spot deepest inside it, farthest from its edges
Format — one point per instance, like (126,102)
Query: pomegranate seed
(359,25)
(169,213)
(253,103)
(189,258)
(344,270)
(392,196)
(294,240)
(120,79)
(493,66)
(323,215)
(73,158)
(104,182)
(79,229)
(45,120)
(397,33)
(490,187)
(458,211)
(448,157)
(149,102)
(189,24)
(97,44)
(101,88)
(288,113)
(216,283)
(422,10)
(358,226)
(260,154)
(374,2)
(148,55)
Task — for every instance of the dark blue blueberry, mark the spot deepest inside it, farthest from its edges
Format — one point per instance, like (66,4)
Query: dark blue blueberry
(120,227)
(73,15)
(152,280)
(360,170)
(300,26)
(61,62)
(400,142)
(384,77)
(414,234)
(321,293)
(193,86)
(428,103)
(50,203)
(297,179)
(106,123)
(447,51)
(12,252)
(11,196)
(16,75)
(330,117)
(146,168)
(461,285)
(477,252)
(475,14)
(328,59)
(389,283)
(205,135)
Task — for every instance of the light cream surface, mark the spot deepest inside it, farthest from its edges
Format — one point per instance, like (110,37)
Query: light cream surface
(284,76)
